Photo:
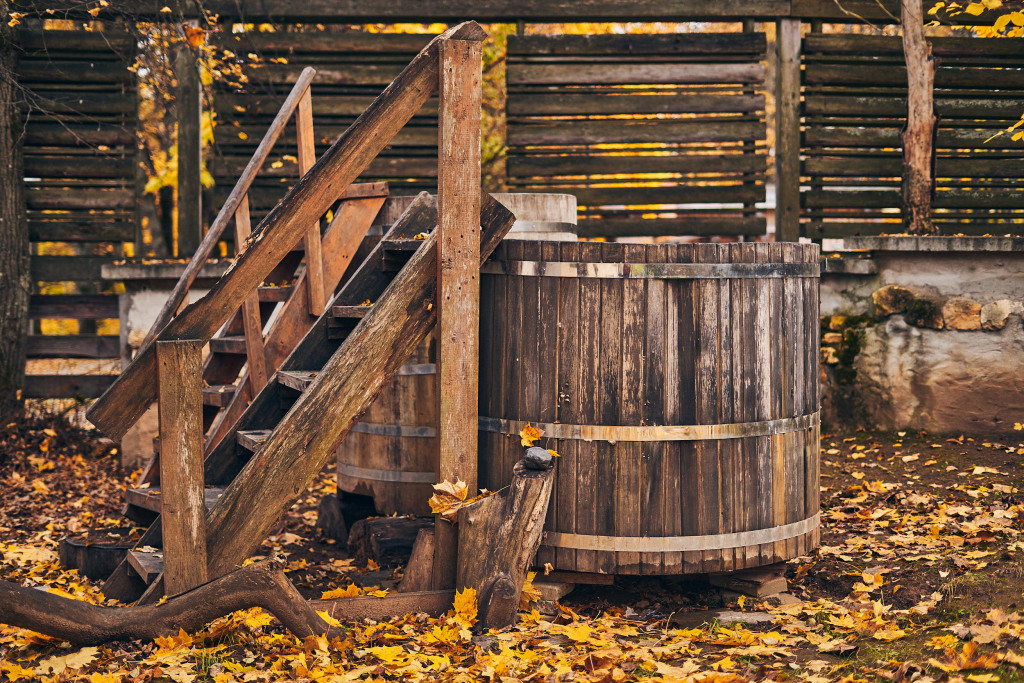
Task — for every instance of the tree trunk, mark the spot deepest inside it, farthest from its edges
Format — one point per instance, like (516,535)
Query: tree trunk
(919,133)
(14,246)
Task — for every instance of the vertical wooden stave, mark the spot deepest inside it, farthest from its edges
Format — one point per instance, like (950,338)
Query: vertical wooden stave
(729,449)
(568,399)
(610,457)
(657,485)
(705,308)
(629,462)
(689,465)
(514,359)
(589,404)
(672,562)
(548,345)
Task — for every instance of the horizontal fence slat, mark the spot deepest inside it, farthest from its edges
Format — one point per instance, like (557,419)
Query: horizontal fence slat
(863,45)
(628,196)
(350,106)
(72,346)
(38,166)
(593,132)
(76,306)
(67,268)
(752,44)
(66,386)
(524,166)
(893,74)
(633,74)
(570,104)
(299,42)
(696,225)
(112,70)
(849,136)
(896,107)
(47,199)
(957,198)
(78,135)
(79,231)
(892,167)
(51,41)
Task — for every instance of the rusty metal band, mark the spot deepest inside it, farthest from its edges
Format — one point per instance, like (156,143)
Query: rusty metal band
(675,544)
(660,271)
(417,369)
(616,433)
(393,476)
(414,431)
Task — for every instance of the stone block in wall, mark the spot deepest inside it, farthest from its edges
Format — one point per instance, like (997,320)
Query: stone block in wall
(925,312)
(994,315)
(961,313)
(892,299)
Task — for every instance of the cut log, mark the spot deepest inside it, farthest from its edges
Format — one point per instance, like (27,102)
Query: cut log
(388,541)
(418,571)
(262,584)
(498,539)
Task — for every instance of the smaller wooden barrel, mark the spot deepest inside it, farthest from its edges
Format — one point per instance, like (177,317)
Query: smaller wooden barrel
(391,453)
(679,384)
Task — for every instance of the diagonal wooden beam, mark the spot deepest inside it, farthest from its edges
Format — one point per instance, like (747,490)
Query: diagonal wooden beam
(128,398)
(309,433)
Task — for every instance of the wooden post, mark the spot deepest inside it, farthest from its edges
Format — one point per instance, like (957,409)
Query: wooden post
(919,134)
(183,514)
(252,323)
(458,281)
(787,130)
(188,110)
(307,157)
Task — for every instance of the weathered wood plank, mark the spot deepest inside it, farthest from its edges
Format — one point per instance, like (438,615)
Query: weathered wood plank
(188,112)
(282,228)
(307,157)
(458,281)
(593,132)
(252,323)
(641,73)
(66,386)
(638,44)
(183,512)
(72,346)
(77,306)
(624,102)
(787,130)
(520,167)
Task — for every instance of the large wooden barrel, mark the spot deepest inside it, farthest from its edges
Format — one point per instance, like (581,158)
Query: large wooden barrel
(679,384)
(391,454)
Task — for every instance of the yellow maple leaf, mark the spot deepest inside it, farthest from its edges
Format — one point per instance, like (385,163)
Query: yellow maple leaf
(16,673)
(73,661)
(465,606)
(579,633)
(529,434)
(390,654)
(256,618)
(448,499)
(530,593)
(966,659)
(105,678)
(350,591)
(329,619)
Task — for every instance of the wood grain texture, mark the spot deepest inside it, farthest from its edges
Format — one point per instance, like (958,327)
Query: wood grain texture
(183,517)
(188,111)
(787,130)
(307,157)
(283,227)
(919,134)
(327,410)
(458,279)
(252,324)
(498,539)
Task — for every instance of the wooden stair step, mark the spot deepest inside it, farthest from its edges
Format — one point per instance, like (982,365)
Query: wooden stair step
(235,345)
(252,439)
(350,312)
(274,294)
(151,499)
(401,244)
(296,379)
(219,395)
(147,564)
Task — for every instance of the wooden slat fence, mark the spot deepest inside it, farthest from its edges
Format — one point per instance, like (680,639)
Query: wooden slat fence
(352,69)
(854,89)
(81,188)
(654,134)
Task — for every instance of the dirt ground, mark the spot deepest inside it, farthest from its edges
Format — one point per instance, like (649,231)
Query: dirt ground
(920,576)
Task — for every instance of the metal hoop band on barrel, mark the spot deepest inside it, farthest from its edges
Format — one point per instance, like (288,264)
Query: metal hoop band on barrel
(614,433)
(673,544)
(393,476)
(661,271)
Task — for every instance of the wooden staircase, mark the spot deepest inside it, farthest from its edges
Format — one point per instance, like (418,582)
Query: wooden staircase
(342,329)
(281,440)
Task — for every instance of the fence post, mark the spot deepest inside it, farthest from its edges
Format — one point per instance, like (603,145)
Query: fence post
(787,130)
(183,512)
(458,281)
(188,109)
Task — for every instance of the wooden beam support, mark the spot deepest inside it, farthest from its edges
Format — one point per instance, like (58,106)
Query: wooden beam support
(307,157)
(458,281)
(499,537)
(188,110)
(919,134)
(183,513)
(122,405)
(252,323)
(787,130)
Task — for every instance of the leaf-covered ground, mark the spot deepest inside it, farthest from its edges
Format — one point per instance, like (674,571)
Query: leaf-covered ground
(920,577)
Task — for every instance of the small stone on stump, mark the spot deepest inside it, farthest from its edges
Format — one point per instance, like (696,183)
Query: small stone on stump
(538,459)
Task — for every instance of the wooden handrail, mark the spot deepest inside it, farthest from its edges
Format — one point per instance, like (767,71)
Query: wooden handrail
(227,212)
(127,399)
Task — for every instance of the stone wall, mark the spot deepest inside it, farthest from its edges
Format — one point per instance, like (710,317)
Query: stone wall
(929,337)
